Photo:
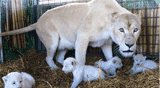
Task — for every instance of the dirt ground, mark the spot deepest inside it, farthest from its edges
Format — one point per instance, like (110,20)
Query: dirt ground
(34,63)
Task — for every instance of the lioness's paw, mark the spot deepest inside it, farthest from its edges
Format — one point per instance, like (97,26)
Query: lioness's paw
(54,67)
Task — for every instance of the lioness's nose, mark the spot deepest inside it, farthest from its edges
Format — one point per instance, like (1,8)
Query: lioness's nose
(129,45)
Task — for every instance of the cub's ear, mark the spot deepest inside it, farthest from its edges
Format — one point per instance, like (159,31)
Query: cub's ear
(145,57)
(114,61)
(134,57)
(4,78)
(74,62)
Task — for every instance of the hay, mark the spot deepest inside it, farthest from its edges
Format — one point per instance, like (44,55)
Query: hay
(34,63)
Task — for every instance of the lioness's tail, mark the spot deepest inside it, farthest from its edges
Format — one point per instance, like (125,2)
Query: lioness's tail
(22,30)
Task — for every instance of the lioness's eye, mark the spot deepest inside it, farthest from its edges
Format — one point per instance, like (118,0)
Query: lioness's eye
(121,30)
(135,30)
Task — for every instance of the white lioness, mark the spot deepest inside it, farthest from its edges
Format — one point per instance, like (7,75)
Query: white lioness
(18,80)
(76,26)
(80,72)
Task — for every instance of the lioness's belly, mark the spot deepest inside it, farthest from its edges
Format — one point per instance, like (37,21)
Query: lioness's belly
(97,43)
(65,44)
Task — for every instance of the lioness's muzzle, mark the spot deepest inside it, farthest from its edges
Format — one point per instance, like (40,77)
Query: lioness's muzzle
(127,51)
(129,44)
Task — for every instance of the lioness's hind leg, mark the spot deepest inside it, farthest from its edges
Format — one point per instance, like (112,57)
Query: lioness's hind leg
(60,56)
(51,47)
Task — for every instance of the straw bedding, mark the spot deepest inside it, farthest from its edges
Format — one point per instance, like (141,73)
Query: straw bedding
(34,63)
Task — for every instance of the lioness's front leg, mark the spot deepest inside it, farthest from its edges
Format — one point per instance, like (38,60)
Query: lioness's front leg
(107,49)
(81,48)
(60,56)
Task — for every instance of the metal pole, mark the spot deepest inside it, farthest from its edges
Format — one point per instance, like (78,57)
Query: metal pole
(1,59)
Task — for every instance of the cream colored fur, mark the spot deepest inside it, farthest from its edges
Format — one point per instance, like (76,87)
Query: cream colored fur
(79,25)
(80,72)
(110,66)
(18,80)
(139,59)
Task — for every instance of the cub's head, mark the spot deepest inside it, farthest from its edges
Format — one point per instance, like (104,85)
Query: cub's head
(125,32)
(69,64)
(139,59)
(116,62)
(12,80)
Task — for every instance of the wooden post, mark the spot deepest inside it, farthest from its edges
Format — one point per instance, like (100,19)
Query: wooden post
(16,15)
(22,25)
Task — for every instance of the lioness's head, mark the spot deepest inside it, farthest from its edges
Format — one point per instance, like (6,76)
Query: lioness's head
(125,32)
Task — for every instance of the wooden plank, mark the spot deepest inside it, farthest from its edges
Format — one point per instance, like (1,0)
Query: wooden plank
(158,30)
(7,18)
(149,31)
(13,19)
(143,31)
(155,31)
(16,15)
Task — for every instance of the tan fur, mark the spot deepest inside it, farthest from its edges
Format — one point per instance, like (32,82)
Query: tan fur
(79,25)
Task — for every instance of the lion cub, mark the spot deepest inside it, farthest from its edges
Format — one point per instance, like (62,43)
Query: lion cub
(80,72)
(110,66)
(18,80)
(139,59)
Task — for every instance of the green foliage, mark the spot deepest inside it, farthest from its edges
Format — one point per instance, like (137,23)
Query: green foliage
(115,50)
(9,53)
(30,44)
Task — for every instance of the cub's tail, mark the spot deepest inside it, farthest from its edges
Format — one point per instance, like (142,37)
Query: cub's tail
(22,30)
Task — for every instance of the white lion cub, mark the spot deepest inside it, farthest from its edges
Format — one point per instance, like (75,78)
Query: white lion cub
(139,59)
(80,72)
(18,80)
(110,66)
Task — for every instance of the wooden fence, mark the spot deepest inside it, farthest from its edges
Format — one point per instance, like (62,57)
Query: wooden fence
(21,13)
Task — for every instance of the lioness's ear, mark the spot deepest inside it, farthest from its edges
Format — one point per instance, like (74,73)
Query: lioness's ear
(113,15)
(4,78)
(138,15)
